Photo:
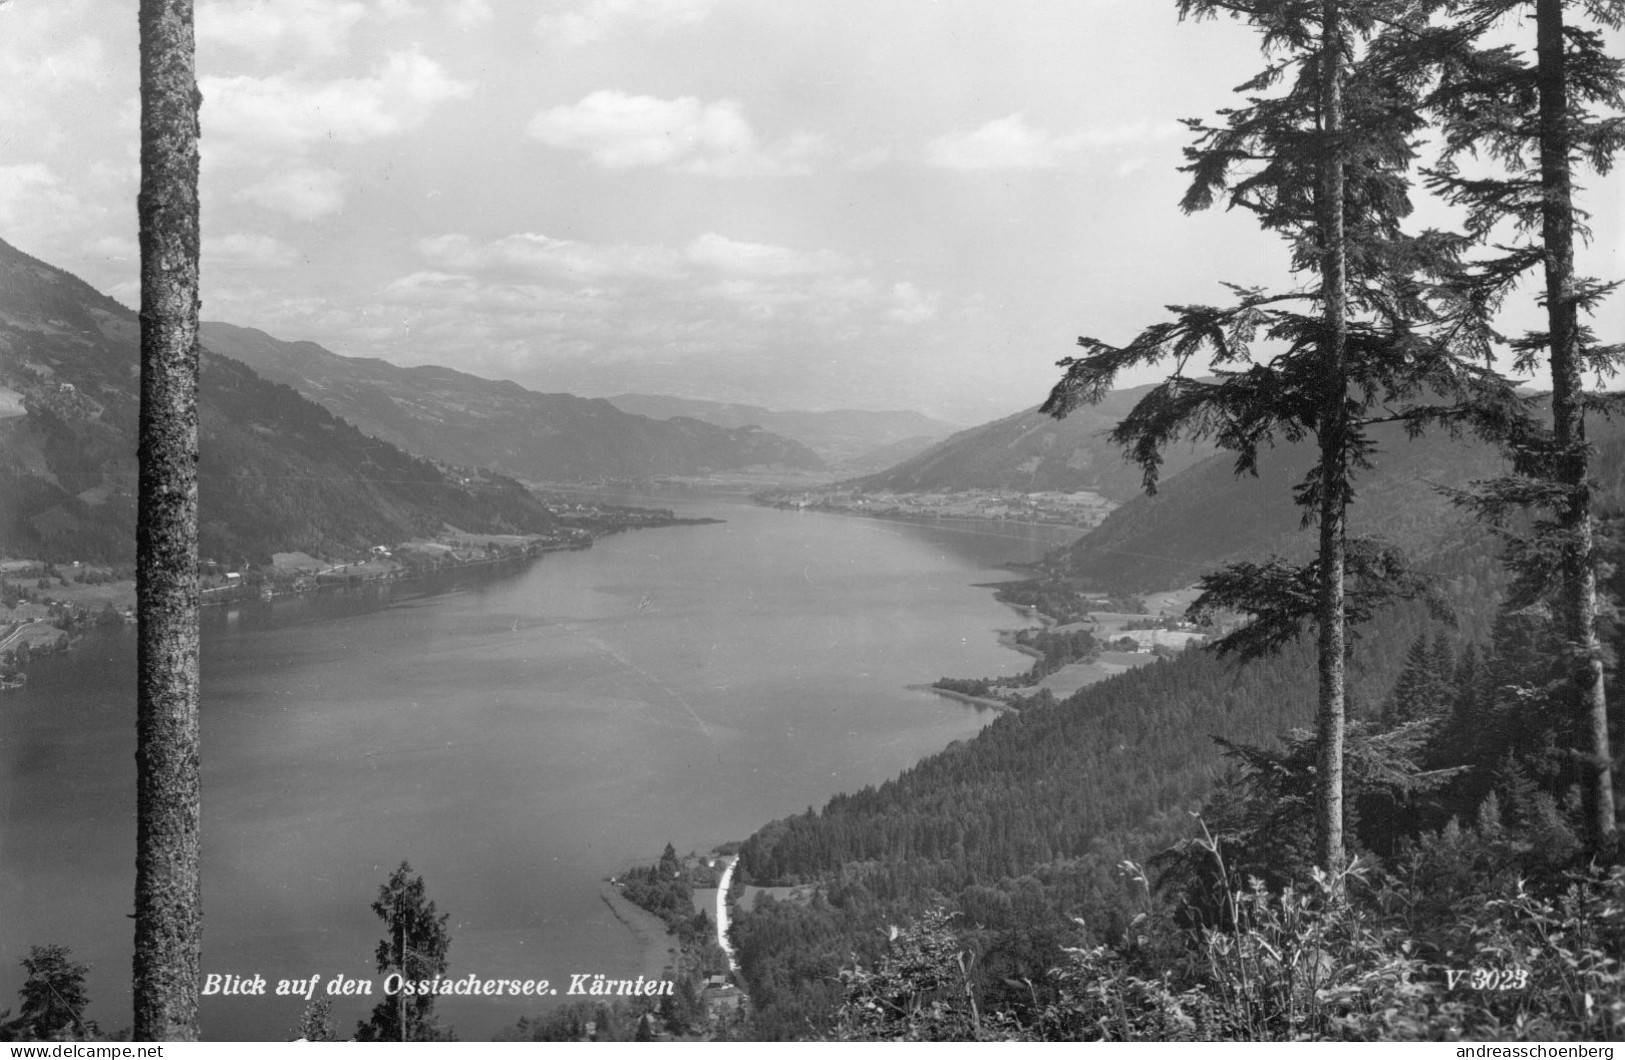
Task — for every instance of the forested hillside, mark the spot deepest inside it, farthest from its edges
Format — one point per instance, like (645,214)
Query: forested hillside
(1207,514)
(1021,829)
(1032,452)
(276,472)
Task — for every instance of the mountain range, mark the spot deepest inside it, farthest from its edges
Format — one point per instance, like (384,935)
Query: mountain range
(466,420)
(276,472)
(303,448)
(853,439)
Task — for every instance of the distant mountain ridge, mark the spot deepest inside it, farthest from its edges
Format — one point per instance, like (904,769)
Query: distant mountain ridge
(1033,452)
(855,438)
(464,419)
(276,472)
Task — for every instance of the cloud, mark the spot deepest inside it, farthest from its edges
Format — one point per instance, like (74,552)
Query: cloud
(588,23)
(35,203)
(447,290)
(620,131)
(119,249)
(82,62)
(1010,143)
(872,159)
(759,259)
(303,194)
(310,28)
(606,299)
(247,250)
(466,14)
(244,116)
(43,48)
(29,182)
(529,254)
(910,305)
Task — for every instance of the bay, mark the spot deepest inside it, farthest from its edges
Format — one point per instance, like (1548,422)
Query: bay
(515,738)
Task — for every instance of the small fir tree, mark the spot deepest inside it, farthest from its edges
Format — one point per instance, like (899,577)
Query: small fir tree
(414,947)
(53,996)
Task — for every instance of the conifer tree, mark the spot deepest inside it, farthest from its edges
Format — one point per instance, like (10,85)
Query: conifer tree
(414,948)
(1323,164)
(168,911)
(53,996)
(1423,688)
(1534,112)
(315,1022)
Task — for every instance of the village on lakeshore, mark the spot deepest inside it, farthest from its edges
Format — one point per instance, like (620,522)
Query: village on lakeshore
(45,605)
(1084,509)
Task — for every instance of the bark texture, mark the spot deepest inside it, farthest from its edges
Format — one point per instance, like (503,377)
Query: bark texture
(168,910)
(1578,605)
(1331,711)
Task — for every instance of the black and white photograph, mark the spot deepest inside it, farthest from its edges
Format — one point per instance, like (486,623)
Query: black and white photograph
(848,521)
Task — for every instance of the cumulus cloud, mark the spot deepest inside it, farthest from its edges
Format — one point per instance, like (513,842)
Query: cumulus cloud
(41,49)
(578,25)
(82,62)
(308,28)
(35,202)
(759,259)
(532,287)
(910,305)
(449,290)
(621,131)
(872,159)
(247,115)
(247,250)
(1010,143)
(301,193)
(530,253)
(706,256)
(466,14)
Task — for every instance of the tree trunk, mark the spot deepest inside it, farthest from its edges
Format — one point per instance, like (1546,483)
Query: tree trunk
(1578,604)
(167,902)
(1333,458)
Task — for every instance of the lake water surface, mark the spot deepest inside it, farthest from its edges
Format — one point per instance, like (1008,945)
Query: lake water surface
(515,738)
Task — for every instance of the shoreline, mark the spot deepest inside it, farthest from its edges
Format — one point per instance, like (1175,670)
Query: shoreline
(658,946)
(1007,639)
(975,701)
(920,518)
(281,587)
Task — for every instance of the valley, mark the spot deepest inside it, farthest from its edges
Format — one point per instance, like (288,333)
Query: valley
(963,681)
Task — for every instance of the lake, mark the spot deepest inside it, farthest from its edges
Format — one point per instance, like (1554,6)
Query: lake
(516,738)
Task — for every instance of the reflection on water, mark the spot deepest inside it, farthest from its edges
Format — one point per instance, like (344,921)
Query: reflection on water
(515,738)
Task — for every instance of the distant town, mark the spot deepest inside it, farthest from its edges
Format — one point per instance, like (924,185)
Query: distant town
(1084,509)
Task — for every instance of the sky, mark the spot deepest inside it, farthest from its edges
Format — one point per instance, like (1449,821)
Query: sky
(805,205)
